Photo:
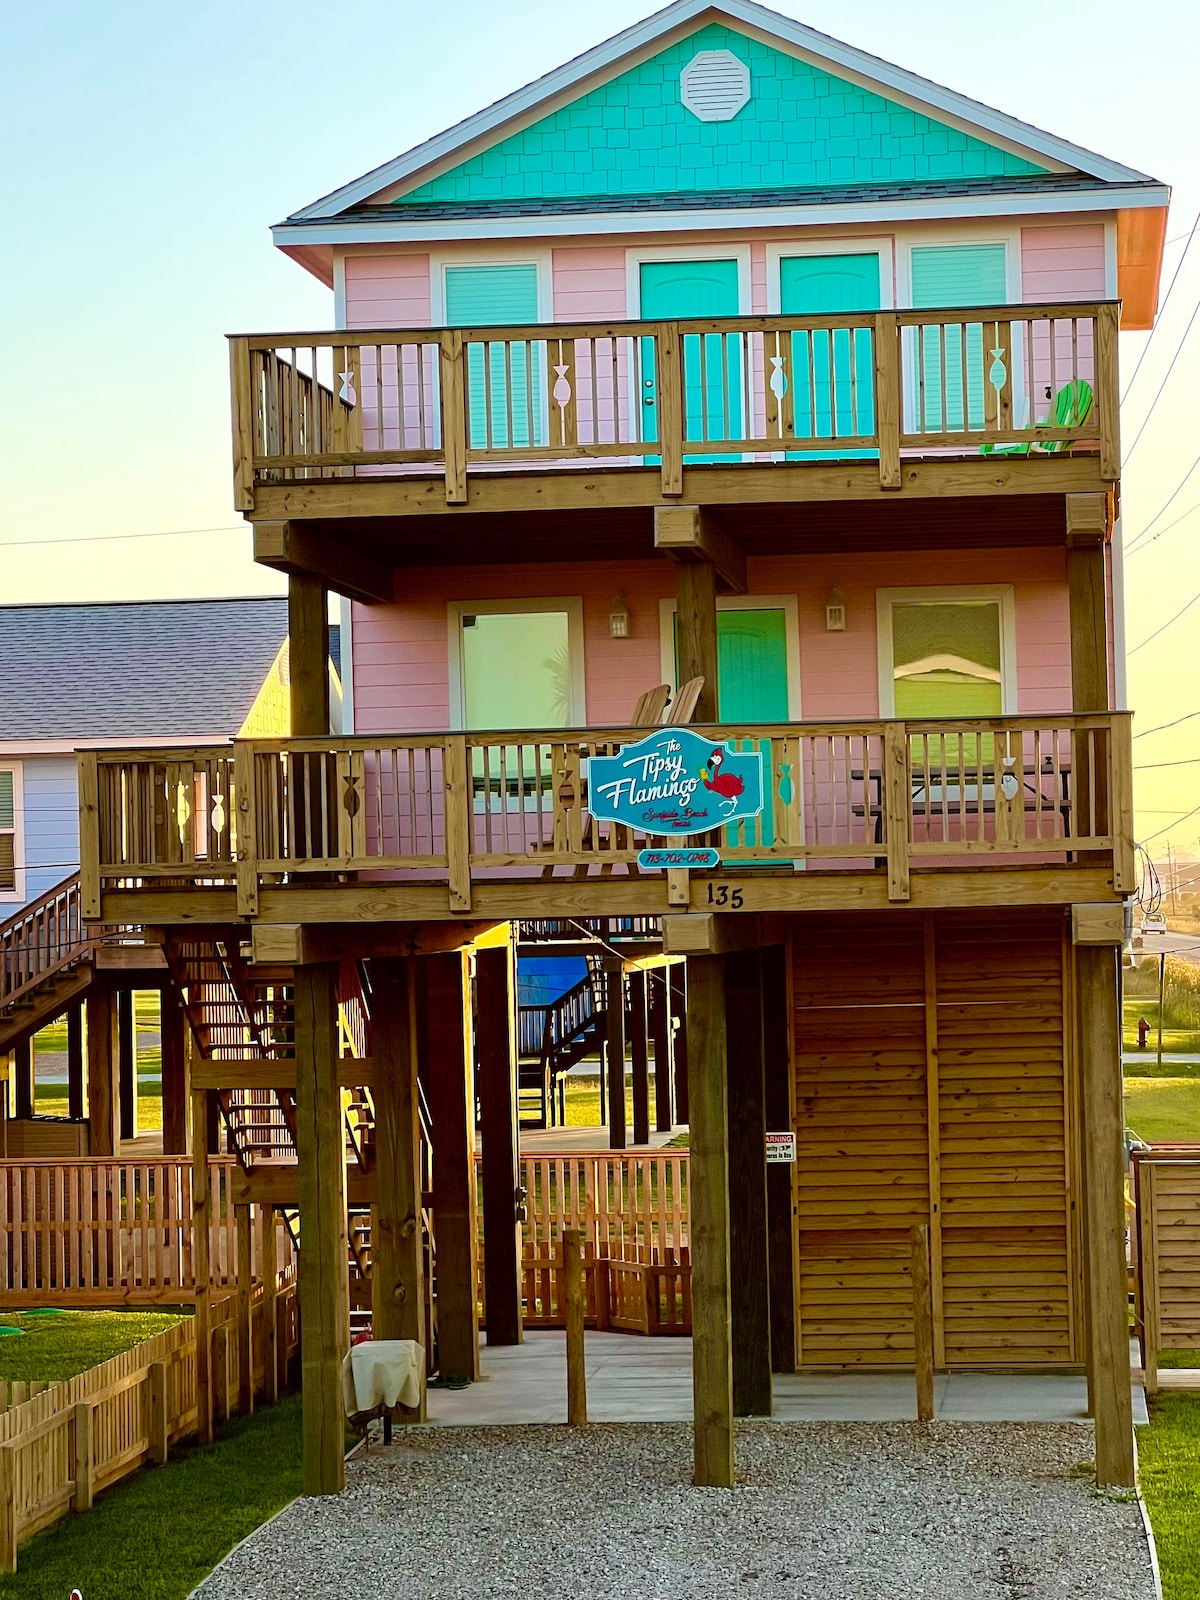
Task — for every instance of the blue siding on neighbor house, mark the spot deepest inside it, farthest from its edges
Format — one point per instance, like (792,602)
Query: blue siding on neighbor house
(801,126)
(51,823)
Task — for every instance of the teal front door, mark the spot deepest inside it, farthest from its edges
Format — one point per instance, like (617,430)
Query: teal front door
(713,363)
(949,368)
(833,389)
(752,688)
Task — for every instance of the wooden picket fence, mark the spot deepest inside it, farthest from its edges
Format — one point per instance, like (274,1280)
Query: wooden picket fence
(1165,1184)
(65,1442)
(95,1232)
(632,1208)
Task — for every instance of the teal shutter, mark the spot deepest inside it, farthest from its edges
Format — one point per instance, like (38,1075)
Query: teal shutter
(504,382)
(955,275)
(823,363)
(712,363)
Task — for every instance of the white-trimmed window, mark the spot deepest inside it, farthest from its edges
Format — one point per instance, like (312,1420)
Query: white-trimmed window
(516,664)
(947,652)
(12,854)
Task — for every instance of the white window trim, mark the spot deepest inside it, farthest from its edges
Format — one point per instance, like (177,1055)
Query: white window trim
(883,247)
(16,895)
(934,237)
(637,254)
(1002,593)
(572,605)
(787,603)
(495,255)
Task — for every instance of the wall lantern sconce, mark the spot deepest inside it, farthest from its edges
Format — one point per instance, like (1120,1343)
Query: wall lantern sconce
(835,611)
(618,618)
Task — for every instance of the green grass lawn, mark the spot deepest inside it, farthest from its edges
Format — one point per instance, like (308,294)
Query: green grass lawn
(1163,1110)
(583,1105)
(1169,1464)
(155,1536)
(55,1348)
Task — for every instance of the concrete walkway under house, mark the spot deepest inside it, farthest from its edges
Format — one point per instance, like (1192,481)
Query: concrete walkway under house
(631,1379)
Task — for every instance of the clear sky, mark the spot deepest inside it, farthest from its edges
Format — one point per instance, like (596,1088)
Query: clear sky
(149,146)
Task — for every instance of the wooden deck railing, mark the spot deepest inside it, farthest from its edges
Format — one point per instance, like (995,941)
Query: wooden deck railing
(329,405)
(42,938)
(457,809)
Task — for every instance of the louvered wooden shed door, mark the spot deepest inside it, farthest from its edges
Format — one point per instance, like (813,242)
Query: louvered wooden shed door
(930,1087)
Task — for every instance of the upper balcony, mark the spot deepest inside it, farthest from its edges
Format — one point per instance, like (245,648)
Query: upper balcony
(427,827)
(726,412)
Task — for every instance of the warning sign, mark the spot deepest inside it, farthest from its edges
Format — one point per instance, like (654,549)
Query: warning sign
(781,1147)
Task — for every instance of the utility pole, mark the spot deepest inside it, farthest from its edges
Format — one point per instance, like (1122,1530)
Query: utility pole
(1162,985)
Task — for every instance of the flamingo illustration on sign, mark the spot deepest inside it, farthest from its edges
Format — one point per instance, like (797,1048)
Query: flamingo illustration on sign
(725,784)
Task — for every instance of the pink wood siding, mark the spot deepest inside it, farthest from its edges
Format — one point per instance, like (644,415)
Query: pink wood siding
(401,673)
(589,283)
(1063,262)
(758,280)
(387,291)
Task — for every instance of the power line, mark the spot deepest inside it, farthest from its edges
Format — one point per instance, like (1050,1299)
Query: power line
(1163,726)
(1153,766)
(1140,543)
(1162,508)
(1163,306)
(1164,627)
(1170,825)
(111,538)
(1163,384)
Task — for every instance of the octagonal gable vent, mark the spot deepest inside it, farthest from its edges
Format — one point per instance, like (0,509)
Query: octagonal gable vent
(715,85)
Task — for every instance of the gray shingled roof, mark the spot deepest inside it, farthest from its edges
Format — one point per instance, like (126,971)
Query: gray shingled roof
(139,669)
(831,194)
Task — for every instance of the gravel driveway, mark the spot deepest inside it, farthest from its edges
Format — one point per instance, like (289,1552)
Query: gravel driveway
(831,1511)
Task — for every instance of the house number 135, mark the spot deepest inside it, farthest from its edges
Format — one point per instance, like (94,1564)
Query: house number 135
(720,894)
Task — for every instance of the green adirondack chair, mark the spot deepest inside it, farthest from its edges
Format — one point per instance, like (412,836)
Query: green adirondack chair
(1072,407)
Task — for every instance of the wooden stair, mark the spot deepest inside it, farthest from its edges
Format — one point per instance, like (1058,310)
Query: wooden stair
(46,951)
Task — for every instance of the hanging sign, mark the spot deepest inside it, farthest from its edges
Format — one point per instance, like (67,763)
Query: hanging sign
(781,1147)
(675,782)
(671,860)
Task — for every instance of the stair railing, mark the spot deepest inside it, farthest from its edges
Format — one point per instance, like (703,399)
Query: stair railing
(42,938)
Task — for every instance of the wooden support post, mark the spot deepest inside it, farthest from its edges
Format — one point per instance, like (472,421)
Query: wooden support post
(662,1036)
(175,1073)
(614,1050)
(888,398)
(573,1293)
(778,1096)
(751,1314)
(160,1418)
(324,1290)
(450,1079)
(1099,1027)
(75,1094)
(397,1247)
(127,1084)
(308,654)
(245,1283)
(22,1072)
(8,1508)
(496,1063)
(639,1057)
(219,1360)
(202,1267)
(269,1268)
(712,1368)
(677,982)
(1087,597)
(81,1499)
(696,622)
(104,1129)
(922,1292)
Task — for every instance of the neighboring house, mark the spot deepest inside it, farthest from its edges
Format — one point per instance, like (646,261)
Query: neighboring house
(724,351)
(157,672)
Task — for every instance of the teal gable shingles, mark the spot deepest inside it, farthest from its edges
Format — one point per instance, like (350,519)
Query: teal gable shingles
(802,127)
